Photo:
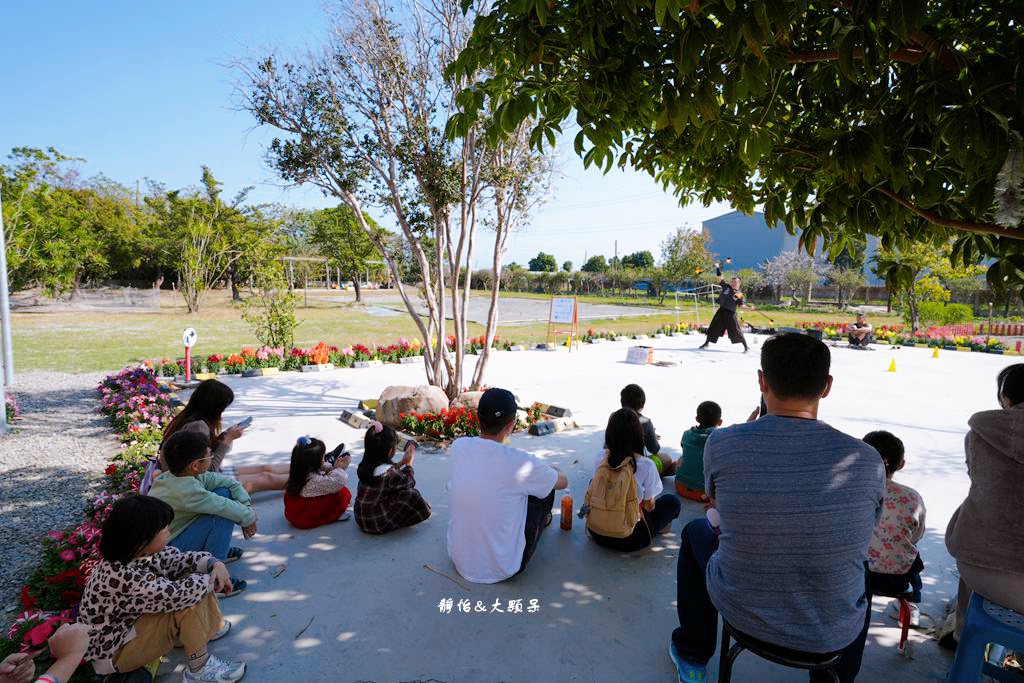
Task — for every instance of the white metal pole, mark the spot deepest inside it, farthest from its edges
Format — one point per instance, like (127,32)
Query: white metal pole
(5,307)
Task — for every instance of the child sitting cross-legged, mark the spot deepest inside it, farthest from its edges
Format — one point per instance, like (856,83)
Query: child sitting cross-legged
(207,505)
(894,564)
(315,493)
(387,498)
(690,469)
(143,596)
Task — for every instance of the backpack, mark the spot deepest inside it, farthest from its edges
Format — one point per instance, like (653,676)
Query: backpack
(612,499)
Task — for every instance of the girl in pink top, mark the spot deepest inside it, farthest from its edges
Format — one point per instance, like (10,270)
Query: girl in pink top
(894,565)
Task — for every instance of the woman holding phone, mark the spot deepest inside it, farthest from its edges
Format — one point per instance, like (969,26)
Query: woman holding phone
(202,414)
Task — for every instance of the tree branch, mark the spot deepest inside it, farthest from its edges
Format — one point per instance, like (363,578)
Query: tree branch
(965,226)
(907,55)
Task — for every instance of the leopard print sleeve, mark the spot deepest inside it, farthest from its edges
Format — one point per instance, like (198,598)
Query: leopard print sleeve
(174,562)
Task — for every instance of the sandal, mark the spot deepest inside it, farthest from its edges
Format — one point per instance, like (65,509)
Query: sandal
(233,554)
(237,586)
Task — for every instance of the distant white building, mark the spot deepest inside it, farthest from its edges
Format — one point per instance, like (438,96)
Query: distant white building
(750,241)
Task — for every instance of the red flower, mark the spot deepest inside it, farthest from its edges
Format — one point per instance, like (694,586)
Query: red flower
(111,468)
(27,601)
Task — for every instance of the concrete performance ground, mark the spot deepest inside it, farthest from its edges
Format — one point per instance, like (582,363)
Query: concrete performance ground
(336,604)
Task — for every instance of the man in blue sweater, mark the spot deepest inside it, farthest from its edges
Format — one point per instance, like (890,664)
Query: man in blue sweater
(798,502)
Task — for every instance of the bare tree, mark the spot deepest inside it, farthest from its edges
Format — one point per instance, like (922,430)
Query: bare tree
(363,117)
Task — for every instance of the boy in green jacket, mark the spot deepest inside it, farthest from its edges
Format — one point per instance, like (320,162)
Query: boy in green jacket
(207,505)
(690,469)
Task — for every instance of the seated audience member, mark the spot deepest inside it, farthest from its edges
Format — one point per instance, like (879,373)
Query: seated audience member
(624,514)
(202,414)
(894,565)
(387,498)
(144,596)
(632,396)
(859,332)
(690,468)
(986,533)
(206,505)
(797,502)
(315,494)
(67,646)
(500,497)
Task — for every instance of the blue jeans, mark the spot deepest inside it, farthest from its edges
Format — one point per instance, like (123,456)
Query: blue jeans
(208,533)
(697,636)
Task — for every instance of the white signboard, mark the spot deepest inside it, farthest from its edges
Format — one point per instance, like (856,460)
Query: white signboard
(189,337)
(563,310)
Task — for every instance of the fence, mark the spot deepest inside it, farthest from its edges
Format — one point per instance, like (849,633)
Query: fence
(994,329)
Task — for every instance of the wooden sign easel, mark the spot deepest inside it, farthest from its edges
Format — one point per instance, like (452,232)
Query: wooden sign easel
(563,312)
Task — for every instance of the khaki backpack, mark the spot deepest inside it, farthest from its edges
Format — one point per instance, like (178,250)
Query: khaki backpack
(614,507)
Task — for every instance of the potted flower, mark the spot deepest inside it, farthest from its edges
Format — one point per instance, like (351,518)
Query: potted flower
(215,363)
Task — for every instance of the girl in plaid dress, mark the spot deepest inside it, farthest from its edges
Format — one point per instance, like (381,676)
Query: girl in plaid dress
(387,498)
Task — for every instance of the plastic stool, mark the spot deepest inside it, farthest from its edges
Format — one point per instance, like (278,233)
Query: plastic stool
(986,622)
(795,660)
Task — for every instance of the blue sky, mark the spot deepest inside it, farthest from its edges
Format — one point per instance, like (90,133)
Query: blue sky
(140,90)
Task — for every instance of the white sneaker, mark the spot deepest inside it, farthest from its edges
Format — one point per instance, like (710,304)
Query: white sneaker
(345,516)
(892,610)
(216,671)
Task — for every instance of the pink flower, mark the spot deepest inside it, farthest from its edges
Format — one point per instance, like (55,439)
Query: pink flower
(55,535)
(38,635)
(67,555)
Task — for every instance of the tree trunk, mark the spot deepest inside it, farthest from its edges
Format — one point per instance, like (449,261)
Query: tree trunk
(888,300)
(359,292)
(912,303)
(233,282)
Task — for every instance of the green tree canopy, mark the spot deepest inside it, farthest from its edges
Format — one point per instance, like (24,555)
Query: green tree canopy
(543,262)
(595,264)
(639,259)
(685,255)
(900,118)
(342,240)
(567,266)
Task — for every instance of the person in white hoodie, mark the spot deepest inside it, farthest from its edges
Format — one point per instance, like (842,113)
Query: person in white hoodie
(986,534)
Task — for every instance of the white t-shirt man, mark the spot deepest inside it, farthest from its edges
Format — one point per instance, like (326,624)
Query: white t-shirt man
(648,481)
(488,484)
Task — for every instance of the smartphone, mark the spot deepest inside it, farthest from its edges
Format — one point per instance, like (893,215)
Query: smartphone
(245,423)
(764,408)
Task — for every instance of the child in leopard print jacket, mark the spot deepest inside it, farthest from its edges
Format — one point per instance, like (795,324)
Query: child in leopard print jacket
(144,596)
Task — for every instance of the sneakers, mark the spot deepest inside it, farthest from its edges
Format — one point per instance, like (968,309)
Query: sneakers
(346,515)
(237,586)
(688,671)
(216,671)
(233,555)
(892,611)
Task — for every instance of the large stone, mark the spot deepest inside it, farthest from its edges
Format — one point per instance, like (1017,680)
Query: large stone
(394,401)
(467,399)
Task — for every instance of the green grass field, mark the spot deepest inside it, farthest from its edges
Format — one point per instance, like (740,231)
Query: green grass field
(102,341)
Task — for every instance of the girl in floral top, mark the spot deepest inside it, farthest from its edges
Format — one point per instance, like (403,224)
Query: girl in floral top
(315,494)
(387,498)
(144,596)
(894,565)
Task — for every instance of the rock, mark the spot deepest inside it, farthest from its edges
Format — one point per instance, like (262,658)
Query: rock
(468,399)
(396,400)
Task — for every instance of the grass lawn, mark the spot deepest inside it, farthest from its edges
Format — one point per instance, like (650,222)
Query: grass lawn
(85,341)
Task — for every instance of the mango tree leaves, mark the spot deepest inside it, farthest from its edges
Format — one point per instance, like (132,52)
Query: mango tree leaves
(890,118)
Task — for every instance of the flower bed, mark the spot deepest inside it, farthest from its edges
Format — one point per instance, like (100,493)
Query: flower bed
(448,424)
(11,407)
(139,408)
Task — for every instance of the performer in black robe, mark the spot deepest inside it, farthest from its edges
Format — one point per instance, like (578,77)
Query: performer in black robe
(726,320)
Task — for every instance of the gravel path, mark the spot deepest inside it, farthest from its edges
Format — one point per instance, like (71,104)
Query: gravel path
(48,462)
